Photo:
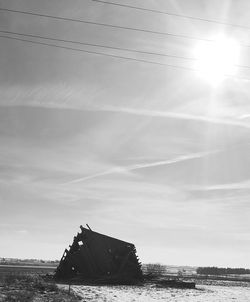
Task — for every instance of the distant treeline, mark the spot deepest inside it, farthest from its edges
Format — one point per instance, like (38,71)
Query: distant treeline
(10,261)
(154,269)
(222,271)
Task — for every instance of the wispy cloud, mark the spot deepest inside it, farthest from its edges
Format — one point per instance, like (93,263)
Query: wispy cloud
(65,97)
(22,232)
(176,115)
(126,169)
(244,185)
(244,116)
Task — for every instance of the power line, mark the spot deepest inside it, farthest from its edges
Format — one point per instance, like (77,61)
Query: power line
(107,25)
(116,56)
(106,46)
(173,14)
(112,25)
(95,52)
(97,45)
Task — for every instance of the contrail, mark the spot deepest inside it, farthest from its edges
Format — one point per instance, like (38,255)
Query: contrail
(138,112)
(175,115)
(143,166)
(107,172)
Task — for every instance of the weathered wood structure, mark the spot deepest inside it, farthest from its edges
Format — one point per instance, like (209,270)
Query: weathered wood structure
(97,257)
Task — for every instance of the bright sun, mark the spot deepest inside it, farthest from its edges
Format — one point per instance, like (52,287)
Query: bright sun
(217,59)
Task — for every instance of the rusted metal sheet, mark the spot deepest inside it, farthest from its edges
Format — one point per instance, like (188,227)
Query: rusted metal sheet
(94,256)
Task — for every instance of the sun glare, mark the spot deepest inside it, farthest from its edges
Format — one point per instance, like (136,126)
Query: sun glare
(217,59)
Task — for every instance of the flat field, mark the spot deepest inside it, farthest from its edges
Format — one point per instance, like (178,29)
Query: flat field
(227,292)
(26,269)
(26,283)
(25,280)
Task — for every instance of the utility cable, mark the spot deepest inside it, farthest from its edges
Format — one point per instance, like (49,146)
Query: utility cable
(94,52)
(173,14)
(107,25)
(106,46)
(97,45)
(117,57)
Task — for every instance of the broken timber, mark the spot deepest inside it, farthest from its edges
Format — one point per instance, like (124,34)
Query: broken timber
(94,257)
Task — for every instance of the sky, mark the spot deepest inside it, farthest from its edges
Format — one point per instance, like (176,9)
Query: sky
(154,155)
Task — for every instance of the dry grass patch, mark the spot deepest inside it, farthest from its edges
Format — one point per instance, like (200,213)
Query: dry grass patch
(31,288)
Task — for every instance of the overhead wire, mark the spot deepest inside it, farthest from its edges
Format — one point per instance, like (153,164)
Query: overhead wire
(173,14)
(94,52)
(143,30)
(97,45)
(116,56)
(106,46)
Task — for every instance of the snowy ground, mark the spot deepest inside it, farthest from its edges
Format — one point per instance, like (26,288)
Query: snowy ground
(148,293)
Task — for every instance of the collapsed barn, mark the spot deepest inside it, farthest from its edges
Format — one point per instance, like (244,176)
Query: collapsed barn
(97,257)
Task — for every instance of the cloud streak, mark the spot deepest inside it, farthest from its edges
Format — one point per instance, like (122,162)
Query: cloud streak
(176,115)
(244,185)
(129,168)
(65,97)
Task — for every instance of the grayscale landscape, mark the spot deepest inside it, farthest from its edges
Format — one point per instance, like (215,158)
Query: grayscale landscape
(124,150)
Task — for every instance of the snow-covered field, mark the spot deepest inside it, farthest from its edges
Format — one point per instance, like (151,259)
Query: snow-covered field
(149,293)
